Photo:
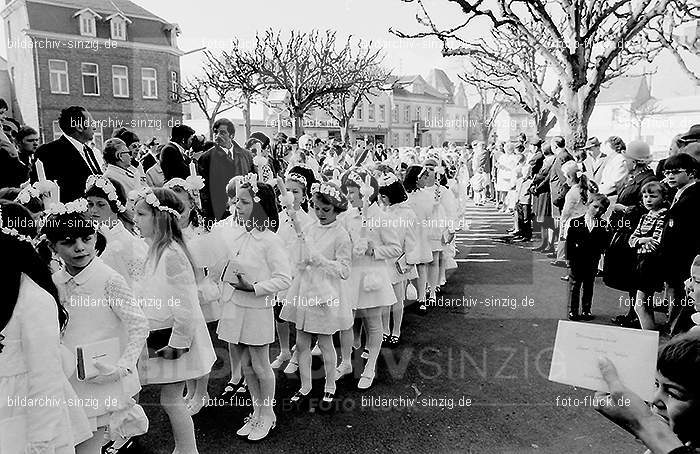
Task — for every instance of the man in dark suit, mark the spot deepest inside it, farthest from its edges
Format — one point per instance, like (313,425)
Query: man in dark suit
(173,158)
(680,242)
(69,160)
(558,189)
(218,165)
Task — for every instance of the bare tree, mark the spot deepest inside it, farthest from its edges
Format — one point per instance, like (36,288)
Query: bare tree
(208,94)
(310,66)
(583,43)
(371,78)
(682,47)
(486,110)
(641,111)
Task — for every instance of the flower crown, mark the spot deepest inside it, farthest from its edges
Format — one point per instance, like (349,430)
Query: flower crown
(250,179)
(13,232)
(76,206)
(191,184)
(107,187)
(327,189)
(366,189)
(150,198)
(27,193)
(387,179)
(298,178)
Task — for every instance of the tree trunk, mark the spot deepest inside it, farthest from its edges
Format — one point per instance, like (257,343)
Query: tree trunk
(345,131)
(572,121)
(298,124)
(211,127)
(246,117)
(545,123)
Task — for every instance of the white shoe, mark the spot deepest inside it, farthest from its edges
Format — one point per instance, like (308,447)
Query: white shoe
(291,368)
(281,359)
(247,427)
(342,370)
(261,428)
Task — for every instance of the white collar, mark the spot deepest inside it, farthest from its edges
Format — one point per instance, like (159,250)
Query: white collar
(78,146)
(63,277)
(179,147)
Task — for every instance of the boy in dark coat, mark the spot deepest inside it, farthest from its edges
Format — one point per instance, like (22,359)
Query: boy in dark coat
(588,236)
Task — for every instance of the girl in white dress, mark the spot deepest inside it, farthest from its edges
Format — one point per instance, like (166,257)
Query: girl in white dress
(256,269)
(298,183)
(193,232)
(394,199)
(424,199)
(125,252)
(30,355)
(101,307)
(168,294)
(368,288)
(314,302)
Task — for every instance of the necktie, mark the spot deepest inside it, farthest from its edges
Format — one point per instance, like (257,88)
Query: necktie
(92,162)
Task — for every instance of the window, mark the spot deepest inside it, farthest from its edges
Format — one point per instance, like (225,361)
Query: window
(407,113)
(438,112)
(58,76)
(616,115)
(174,86)
(98,136)
(149,83)
(9,31)
(382,112)
(91,79)
(395,139)
(395,114)
(120,81)
(649,140)
(370,112)
(429,114)
(118,25)
(418,112)
(57,133)
(87,24)
(408,140)
(358,112)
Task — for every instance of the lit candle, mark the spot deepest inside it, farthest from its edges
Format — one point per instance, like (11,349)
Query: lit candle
(58,193)
(193,169)
(40,170)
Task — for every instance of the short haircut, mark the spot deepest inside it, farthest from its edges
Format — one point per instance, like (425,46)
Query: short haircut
(681,161)
(679,361)
(70,117)
(25,131)
(111,148)
(559,141)
(3,104)
(616,143)
(596,196)
(180,133)
(127,136)
(395,192)
(230,127)
(410,181)
(68,226)
(654,187)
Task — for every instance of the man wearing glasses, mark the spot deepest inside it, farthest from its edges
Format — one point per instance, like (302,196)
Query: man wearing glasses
(118,156)
(680,242)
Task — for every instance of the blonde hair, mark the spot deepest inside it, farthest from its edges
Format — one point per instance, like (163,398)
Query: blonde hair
(166,227)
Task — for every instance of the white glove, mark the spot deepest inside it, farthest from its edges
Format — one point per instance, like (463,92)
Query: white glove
(109,373)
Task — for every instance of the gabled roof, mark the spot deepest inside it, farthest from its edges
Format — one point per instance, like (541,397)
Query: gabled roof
(624,90)
(87,10)
(442,83)
(126,7)
(112,16)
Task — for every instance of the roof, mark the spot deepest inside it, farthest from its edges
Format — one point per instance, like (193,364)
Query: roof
(439,79)
(677,105)
(127,7)
(623,90)
(398,91)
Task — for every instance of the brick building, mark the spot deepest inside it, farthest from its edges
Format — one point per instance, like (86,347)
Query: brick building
(113,57)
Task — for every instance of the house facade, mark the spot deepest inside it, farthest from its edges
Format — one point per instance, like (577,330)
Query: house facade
(113,57)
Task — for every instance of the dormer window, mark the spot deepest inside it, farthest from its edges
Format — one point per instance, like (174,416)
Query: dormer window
(173,30)
(118,24)
(86,18)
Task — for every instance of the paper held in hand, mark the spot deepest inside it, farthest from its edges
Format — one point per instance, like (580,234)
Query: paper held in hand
(578,346)
(105,351)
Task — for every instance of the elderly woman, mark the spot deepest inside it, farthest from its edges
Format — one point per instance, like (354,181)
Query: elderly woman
(118,157)
(626,213)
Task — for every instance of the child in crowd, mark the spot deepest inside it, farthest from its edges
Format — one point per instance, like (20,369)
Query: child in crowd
(85,277)
(587,238)
(478,183)
(168,290)
(256,270)
(646,240)
(314,302)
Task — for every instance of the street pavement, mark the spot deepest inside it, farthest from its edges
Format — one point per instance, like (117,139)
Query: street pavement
(469,377)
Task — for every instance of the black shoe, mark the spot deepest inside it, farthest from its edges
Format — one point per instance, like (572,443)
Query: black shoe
(587,316)
(539,248)
(549,252)
(522,240)
(625,321)
(559,263)
(421,308)
(232,389)
(574,317)
(552,255)
(564,278)
(298,397)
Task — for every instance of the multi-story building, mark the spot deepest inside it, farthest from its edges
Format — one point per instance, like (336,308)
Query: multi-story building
(413,112)
(113,57)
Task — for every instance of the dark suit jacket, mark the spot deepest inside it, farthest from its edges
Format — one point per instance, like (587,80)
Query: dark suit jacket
(174,163)
(147,162)
(217,169)
(13,172)
(63,163)
(584,247)
(557,184)
(680,241)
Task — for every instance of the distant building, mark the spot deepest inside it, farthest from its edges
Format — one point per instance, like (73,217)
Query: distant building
(113,57)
